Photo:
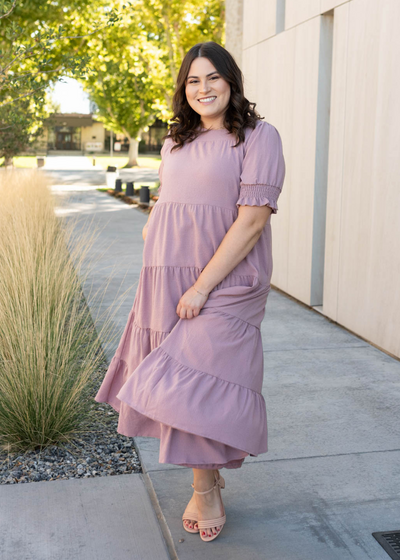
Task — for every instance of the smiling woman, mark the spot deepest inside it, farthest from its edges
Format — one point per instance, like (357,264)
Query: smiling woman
(207,93)
(189,366)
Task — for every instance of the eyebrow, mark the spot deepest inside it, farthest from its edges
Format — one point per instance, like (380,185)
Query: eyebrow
(215,72)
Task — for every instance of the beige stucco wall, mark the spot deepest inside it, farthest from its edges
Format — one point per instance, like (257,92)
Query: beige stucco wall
(325,73)
(94,133)
(234,29)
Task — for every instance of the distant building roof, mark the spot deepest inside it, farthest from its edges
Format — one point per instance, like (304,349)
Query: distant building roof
(70,119)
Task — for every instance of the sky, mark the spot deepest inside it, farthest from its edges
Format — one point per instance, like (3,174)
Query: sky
(71,96)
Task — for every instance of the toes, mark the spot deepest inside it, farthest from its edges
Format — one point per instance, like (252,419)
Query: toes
(211,532)
(190,524)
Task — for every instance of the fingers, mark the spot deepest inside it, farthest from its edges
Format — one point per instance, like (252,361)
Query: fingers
(190,304)
(184,313)
(187,312)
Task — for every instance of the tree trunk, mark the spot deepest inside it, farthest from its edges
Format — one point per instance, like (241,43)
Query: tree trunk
(8,162)
(133,151)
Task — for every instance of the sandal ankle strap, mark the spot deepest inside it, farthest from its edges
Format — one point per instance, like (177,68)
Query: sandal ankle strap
(217,482)
(206,491)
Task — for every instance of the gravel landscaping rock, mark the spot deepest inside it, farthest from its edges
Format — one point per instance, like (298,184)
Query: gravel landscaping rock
(100,451)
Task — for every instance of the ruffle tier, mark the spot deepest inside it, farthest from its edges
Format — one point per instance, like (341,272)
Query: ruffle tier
(195,385)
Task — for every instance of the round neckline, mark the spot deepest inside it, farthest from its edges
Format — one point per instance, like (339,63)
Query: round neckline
(214,130)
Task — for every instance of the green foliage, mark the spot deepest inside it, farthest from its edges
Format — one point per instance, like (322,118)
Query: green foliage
(39,42)
(134,70)
(129,69)
(24,130)
(127,78)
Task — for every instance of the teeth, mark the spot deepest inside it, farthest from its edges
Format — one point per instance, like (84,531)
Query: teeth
(206,99)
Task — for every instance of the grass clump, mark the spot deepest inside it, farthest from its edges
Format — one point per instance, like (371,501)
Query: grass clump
(49,347)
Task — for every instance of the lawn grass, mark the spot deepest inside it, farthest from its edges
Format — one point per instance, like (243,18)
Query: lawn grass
(27,162)
(120,161)
(144,160)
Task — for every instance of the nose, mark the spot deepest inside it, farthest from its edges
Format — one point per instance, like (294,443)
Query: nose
(204,86)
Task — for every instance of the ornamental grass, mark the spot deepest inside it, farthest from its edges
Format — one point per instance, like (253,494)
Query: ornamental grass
(49,347)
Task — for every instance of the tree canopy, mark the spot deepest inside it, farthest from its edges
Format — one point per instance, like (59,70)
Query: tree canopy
(39,42)
(126,55)
(135,65)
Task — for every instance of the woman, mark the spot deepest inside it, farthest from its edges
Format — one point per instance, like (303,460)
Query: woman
(189,366)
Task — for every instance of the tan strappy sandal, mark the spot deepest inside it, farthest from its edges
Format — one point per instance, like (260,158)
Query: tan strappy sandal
(219,521)
(194,515)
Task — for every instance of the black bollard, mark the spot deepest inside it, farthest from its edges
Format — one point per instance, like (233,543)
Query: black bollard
(145,195)
(129,188)
(118,185)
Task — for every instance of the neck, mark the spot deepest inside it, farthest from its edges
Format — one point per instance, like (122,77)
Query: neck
(213,125)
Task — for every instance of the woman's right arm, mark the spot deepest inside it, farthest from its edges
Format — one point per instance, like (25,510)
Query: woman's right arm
(146,225)
(144,230)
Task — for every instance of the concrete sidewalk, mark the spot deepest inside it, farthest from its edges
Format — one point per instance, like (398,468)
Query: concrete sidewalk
(331,475)
(79,171)
(102,518)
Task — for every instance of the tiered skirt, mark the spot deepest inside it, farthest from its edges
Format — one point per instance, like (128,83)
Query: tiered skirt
(195,384)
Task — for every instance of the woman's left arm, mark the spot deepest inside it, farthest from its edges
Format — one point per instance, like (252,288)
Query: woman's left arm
(261,180)
(235,246)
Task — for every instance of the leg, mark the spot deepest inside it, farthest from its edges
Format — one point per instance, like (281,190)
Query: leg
(209,505)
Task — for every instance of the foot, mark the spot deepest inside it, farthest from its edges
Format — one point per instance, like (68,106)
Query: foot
(192,506)
(209,505)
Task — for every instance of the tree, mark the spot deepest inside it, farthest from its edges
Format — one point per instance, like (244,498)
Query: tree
(35,51)
(180,24)
(135,67)
(128,84)
(25,130)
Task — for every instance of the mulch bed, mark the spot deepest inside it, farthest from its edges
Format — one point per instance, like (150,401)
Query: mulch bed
(133,200)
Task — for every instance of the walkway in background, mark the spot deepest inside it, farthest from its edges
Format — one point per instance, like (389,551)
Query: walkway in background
(331,475)
(79,170)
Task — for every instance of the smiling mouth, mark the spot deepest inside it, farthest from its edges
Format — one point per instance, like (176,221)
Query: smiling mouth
(207,99)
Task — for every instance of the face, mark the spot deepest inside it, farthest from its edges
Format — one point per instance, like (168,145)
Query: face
(207,92)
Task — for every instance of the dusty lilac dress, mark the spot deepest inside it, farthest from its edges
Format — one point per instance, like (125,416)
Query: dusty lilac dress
(196,383)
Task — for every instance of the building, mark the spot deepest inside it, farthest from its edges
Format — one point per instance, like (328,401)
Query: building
(75,132)
(69,132)
(325,73)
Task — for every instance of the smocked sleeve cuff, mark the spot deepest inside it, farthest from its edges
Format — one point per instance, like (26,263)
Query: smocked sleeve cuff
(259,195)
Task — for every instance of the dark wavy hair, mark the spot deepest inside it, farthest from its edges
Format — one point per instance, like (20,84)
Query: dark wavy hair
(240,112)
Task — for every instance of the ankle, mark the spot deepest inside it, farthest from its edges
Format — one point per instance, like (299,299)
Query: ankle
(203,479)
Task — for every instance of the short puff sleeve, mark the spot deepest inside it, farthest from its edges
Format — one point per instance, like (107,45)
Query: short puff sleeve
(263,170)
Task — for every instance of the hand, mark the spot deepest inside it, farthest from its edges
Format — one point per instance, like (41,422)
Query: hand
(190,304)
(144,231)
